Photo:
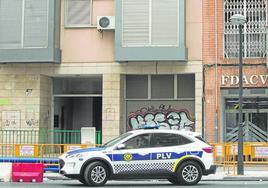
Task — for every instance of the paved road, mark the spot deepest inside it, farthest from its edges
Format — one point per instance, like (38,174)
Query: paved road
(139,184)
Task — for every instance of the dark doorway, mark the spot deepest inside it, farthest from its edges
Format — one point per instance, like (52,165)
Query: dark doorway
(97,113)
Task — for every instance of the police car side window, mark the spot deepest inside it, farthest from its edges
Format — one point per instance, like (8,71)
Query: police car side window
(140,141)
(183,140)
(167,139)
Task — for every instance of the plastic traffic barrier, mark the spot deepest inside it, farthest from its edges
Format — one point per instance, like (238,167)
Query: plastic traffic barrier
(5,173)
(27,172)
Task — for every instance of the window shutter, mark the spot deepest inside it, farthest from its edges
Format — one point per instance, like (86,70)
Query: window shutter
(78,13)
(150,23)
(135,23)
(165,22)
(35,23)
(10,23)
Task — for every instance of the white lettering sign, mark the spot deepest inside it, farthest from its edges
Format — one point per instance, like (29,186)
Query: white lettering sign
(72,147)
(27,151)
(263,78)
(233,80)
(163,155)
(261,152)
(219,151)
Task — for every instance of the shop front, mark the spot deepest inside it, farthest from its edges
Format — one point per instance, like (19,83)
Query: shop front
(255,108)
(164,100)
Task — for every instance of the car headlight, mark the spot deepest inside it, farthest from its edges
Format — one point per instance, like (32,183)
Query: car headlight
(77,155)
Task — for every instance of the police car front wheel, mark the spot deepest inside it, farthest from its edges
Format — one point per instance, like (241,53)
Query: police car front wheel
(96,173)
(189,173)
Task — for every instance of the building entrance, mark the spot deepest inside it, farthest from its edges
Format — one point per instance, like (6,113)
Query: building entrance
(77,104)
(255,120)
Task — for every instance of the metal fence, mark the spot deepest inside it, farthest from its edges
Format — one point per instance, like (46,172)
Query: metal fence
(40,151)
(37,153)
(43,136)
(254,153)
(225,155)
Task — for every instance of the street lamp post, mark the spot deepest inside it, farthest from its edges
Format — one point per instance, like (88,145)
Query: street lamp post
(240,20)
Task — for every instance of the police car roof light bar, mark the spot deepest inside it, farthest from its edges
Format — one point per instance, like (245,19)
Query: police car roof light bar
(151,126)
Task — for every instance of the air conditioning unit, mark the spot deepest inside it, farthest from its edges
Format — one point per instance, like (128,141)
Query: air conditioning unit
(105,22)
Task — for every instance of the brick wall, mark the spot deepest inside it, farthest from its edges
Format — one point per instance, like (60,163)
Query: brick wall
(214,67)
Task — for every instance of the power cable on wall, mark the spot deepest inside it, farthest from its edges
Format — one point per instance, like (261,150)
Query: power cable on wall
(234,65)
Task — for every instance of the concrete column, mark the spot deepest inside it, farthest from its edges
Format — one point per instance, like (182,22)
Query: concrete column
(45,102)
(111,106)
(198,101)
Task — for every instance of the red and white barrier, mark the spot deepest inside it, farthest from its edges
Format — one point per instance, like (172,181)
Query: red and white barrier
(5,173)
(27,172)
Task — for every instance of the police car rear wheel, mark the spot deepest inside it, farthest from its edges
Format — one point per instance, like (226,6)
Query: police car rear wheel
(96,173)
(189,173)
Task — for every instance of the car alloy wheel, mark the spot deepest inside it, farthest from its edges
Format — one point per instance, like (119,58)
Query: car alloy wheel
(189,173)
(96,173)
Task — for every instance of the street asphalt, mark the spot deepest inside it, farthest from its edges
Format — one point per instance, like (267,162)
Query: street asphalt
(222,174)
(138,184)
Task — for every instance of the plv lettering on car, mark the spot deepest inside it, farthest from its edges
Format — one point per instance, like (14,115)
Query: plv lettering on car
(163,155)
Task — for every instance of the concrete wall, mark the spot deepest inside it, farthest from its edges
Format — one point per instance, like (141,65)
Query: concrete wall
(76,43)
(87,44)
(87,52)
(194,26)
(22,95)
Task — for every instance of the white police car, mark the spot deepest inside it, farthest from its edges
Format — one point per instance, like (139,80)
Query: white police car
(179,156)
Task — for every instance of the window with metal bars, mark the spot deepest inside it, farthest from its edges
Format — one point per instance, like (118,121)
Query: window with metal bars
(254,31)
(78,13)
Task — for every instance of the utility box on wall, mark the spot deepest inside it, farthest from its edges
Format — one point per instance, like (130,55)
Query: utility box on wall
(88,135)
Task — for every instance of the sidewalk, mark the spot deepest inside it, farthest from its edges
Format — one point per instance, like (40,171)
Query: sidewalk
(250,174)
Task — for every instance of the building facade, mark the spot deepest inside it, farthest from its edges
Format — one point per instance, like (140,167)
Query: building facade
(62,69)
(220,58)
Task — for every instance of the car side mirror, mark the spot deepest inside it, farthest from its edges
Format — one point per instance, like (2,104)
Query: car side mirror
(121,146)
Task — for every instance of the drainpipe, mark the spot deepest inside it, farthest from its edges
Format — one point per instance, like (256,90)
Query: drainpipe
(216,70)
(204,107)
(267,45)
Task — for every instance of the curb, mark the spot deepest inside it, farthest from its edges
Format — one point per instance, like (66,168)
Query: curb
(246,178)
(55,176)
(234,178)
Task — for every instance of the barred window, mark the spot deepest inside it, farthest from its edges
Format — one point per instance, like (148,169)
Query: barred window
(78,13)
(254,34)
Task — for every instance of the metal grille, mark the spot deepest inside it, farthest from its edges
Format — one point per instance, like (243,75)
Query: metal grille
(254,34)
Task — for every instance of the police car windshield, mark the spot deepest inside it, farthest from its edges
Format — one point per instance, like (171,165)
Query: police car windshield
(116,140)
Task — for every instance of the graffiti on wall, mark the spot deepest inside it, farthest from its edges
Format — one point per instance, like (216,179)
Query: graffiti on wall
(30,119)
(165,117)
(10,119)
(31,122)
